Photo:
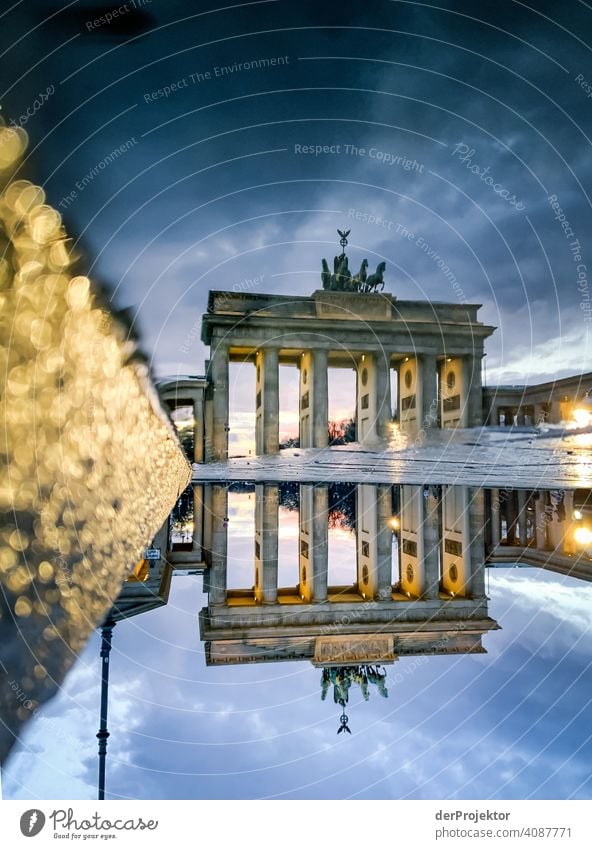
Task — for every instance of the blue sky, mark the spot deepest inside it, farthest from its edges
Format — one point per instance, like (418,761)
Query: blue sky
(513,723)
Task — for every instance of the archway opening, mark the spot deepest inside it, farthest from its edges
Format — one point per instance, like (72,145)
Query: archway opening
(342,405)
(241,409)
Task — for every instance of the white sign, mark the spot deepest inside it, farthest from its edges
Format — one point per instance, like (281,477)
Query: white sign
(152,554)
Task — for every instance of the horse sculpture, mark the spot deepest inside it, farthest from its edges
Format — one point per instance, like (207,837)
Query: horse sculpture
(342,273)
(341,280)
(360,277)
(375,283)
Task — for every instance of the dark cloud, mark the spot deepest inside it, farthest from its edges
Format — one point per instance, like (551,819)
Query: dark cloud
(211,182)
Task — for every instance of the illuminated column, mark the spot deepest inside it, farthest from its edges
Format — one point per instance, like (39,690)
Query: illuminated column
(452,393)
(366,540)
(431,546)
(461,403)
(268,401)
(314,399)
(408,384)
(266,543)
(384,543)
(373,407)
(411,541)
(366,400)
(456,542)
(219,549)
(374,541)
(418,394)
(313,542)
(219,378)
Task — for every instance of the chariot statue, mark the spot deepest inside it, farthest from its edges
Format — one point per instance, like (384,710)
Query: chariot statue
(341,278)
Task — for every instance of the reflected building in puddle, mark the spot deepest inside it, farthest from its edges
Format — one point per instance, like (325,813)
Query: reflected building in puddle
(548,529)
(418,589)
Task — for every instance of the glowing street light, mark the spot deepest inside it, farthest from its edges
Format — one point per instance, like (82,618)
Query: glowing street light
(583,536)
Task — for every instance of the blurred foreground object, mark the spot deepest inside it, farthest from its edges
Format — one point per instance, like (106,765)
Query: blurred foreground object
(90,464)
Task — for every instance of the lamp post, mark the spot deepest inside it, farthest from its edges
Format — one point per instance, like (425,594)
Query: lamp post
(103,734)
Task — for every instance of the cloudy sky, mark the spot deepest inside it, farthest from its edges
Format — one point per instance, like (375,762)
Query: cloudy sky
(460,132)
(512,723)
(470,117)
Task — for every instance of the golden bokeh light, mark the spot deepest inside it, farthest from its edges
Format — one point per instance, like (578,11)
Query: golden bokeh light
(91,466)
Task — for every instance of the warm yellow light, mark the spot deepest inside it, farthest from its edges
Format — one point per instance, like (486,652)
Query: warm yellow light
(90,465)
(583,536)
(577,514)
(582,417)
(394,523)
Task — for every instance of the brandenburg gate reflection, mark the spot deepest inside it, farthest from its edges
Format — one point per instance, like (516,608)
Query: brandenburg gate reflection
(418,588)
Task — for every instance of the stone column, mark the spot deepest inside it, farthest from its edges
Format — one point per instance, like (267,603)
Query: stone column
(495,519)
(522,527)
(383,394)
(320,399)
(541,520)
(266,543)
(313,542)
(409,392)
(366,540)
(219,550)
(209,423)
(160,540)
(366,400)
(476,584)
(198,427)
(472,400)
(431,547)
(555,411)
(428,394)
(320,539)
(411,550)
(198,523)
(207,526)
(268,401)
(373,391)
(384,544)
(220,389)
